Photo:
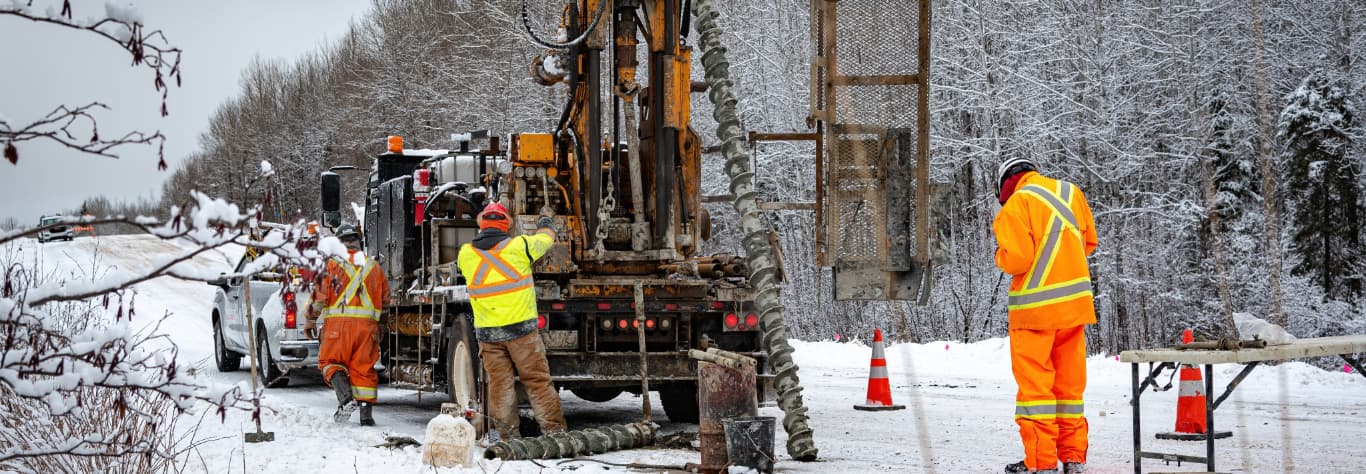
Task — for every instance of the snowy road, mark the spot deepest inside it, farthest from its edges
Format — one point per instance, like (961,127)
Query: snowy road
(959,397)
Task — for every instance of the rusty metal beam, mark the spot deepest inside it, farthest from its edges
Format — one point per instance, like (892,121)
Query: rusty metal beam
(787,206)
(782,137)
(884,80)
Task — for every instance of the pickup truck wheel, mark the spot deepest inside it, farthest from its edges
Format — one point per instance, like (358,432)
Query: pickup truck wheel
(680,403)
(226,360)
(269,375)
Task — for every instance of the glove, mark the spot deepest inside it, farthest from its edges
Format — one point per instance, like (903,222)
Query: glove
(545,222)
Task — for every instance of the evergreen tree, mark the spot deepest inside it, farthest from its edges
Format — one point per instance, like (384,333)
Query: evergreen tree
(1315,128)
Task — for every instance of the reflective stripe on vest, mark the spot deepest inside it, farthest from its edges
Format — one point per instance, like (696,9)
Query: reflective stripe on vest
(354,288)
(1034,293)
(492,260)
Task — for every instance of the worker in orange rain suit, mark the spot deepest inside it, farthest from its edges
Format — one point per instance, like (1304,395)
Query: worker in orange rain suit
(497,271)
(1044,232)
(351,297)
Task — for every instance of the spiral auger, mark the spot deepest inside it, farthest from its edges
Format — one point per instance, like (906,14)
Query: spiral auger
(800,443)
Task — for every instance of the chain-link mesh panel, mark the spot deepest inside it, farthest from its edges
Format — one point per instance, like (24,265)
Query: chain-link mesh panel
(876,37)
(865,90)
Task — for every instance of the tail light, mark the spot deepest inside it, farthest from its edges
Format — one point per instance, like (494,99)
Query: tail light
(732,320)
(649,324)
(621,324)
(665,323)
(606,324)
(541,321)
(752,320)
(291,311)
(604,306)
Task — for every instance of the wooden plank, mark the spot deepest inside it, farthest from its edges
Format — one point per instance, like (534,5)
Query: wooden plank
(1303,348)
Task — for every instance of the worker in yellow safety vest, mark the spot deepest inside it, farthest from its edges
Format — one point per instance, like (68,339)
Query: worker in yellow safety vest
(1044,232)
(497,271)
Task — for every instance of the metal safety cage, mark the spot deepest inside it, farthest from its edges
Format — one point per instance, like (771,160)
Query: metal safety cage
(869,99)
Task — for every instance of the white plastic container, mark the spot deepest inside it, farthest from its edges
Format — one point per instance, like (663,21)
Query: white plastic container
(450,439)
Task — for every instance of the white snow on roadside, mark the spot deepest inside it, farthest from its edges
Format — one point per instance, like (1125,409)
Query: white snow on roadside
(959,399)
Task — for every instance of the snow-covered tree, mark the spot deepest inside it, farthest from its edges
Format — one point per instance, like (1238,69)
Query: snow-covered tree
(1316,128)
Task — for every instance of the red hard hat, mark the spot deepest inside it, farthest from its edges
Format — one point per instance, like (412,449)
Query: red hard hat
(494,208)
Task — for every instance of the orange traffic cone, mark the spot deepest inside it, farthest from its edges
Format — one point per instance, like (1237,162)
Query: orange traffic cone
(1190,404)
(879,387)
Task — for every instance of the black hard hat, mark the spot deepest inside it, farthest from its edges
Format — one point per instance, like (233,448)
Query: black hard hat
(347,231)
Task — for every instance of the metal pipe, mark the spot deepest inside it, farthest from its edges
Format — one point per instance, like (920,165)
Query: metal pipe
(575,443)
(734,363)
(644,361)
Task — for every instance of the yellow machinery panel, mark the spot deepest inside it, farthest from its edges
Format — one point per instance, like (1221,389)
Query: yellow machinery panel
(533,148)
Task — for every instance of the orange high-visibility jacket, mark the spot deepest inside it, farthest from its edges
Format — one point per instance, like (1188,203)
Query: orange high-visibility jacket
(364,287)
(1044,233)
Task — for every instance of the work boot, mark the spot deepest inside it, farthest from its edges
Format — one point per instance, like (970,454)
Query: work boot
(366,417)
(1021,467)
(342,385)
(344,412)
(346,405)
(1073,467)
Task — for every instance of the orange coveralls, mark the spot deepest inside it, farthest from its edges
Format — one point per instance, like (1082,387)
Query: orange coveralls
(353,297)
(1044,233)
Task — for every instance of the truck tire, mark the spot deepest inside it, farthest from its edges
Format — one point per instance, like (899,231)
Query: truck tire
(268,374)
(680,403)
(225,359)
(597,395)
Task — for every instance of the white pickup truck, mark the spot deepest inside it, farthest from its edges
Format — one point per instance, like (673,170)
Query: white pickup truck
(277,324)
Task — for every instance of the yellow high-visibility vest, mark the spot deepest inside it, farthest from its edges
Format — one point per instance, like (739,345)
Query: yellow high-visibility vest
(499,281)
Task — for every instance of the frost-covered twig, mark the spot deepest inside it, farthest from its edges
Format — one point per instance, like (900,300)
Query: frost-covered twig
(121,25)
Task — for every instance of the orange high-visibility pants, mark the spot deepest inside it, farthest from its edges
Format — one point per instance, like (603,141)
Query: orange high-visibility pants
(351,345)
(1050,370)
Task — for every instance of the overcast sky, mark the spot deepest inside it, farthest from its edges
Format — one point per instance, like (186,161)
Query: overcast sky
(42,66)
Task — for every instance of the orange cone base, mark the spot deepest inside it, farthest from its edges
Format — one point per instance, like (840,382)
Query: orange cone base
(867,407)
(1193,436)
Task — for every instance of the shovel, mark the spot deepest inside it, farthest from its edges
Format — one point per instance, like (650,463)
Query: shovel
(259,436)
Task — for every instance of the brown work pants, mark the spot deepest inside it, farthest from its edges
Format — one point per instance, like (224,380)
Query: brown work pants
(525,355)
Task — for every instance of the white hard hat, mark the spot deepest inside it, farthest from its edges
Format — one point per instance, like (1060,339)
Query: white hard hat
(1009,168)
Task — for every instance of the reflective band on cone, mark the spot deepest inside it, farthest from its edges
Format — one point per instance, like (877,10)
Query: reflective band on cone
(879,387)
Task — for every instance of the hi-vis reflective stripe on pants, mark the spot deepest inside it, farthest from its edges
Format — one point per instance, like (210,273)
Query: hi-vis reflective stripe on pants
(354,288)
(491,260)
(1035,293)
(1044,409)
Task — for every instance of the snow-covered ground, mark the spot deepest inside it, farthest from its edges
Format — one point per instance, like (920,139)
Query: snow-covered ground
(959,397)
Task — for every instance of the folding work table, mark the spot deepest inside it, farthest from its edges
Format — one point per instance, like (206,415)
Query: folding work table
(1342,346)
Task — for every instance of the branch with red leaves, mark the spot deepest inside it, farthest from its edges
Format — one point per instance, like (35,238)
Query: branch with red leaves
(149,49)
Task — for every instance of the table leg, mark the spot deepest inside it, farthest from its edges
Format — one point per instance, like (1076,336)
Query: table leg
(1138,432)
(1354,363)
(1209,417)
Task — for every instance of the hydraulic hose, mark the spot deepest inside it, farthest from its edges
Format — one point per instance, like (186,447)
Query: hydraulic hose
(759,252)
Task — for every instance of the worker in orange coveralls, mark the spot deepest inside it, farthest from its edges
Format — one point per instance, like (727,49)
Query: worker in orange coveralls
(351,299)
(1044,232)
(497,270)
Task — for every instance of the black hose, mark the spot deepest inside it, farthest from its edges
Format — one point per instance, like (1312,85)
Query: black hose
(526,24)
